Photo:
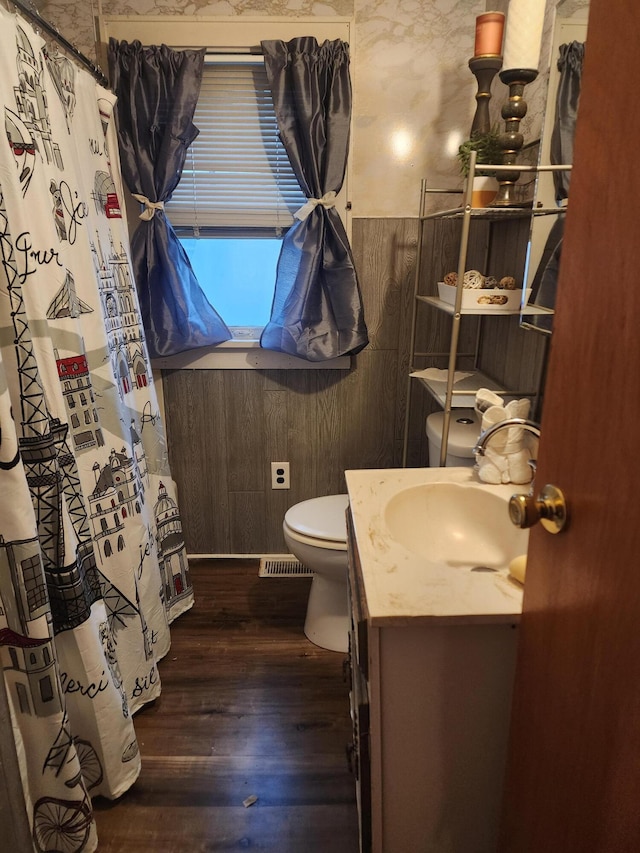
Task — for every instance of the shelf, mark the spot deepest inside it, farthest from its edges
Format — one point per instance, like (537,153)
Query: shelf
(464,389)
(495,213)
(450,309)
(536,309)
(460,390)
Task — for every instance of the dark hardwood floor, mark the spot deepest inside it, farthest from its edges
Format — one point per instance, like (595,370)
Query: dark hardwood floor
(249,707)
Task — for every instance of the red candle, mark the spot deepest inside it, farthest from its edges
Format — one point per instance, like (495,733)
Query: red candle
(489,29)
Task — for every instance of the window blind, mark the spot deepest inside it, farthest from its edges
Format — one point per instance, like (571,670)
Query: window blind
(237,175)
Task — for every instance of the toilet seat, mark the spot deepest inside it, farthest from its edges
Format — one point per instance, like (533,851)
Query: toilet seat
(319,522)
(315,532)
(314,541)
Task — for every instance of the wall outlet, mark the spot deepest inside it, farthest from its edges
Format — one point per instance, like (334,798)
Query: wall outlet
(280,475)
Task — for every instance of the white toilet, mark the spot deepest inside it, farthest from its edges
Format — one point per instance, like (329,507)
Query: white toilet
(464,430)
(316,533)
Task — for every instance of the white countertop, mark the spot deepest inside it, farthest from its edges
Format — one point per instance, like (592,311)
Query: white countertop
(402,587)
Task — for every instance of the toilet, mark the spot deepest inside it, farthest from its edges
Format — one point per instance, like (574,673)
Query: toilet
(464,430)
(316,533)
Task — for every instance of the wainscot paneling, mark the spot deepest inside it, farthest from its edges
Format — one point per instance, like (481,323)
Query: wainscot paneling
(197,441)
(441,240)
(225,428)
(513,356)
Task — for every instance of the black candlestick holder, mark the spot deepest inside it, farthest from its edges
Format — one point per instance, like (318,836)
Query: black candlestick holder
(511,141)
(484,69)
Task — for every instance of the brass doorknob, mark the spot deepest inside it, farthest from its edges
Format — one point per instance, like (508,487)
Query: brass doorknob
(549,508)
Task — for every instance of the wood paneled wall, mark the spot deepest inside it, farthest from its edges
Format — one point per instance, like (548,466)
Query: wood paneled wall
(224,428)
(510,355)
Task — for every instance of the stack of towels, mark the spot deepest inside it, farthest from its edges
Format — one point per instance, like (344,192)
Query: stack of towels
(506,456)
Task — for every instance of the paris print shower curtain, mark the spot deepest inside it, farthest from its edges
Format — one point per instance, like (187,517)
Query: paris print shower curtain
(92,561)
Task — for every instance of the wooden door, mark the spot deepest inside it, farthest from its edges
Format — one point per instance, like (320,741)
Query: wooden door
(573,781)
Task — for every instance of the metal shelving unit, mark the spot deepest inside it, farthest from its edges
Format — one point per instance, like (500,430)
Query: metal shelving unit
(453,392)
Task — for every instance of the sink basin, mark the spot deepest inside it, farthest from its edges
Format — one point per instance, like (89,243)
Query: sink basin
(464,526)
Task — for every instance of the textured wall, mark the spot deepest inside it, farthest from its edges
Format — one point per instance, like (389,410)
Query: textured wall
(413,92)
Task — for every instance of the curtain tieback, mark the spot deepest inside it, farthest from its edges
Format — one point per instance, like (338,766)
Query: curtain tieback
(150,207)
(328,200)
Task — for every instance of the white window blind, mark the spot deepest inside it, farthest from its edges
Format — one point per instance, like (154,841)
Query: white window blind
(237,175)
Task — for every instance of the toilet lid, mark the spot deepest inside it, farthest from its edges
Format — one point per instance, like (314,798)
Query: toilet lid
(320,518)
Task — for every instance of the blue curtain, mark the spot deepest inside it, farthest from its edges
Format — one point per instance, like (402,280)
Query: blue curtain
(157,91)
(570,62)
(317,308)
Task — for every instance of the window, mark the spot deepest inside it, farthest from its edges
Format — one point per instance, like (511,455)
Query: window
(238,192)
(231,35)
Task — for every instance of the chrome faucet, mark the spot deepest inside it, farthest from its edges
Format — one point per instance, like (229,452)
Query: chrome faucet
(525,510)
(483,440)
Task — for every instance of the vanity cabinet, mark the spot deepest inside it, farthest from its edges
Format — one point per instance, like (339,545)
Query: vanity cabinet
(430,705)
(456,349)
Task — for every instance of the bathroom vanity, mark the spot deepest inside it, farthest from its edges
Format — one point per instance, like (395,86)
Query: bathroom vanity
(432,656)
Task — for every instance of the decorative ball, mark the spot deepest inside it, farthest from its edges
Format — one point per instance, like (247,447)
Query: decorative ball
(490,282)
(473,279)
(507,282)
(451,278)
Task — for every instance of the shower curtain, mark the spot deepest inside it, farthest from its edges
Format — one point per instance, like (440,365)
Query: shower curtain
(92,561)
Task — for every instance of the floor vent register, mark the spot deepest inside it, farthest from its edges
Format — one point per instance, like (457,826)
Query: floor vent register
(283,567)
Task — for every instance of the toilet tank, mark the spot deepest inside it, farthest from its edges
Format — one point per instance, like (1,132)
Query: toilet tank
(464,430)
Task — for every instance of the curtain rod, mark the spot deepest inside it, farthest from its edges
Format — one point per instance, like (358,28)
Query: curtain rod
(41,22)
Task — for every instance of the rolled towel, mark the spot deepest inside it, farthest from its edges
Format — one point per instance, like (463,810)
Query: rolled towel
(518,408)
(520,472)
(492,416)
(485,399)
(493,467)
(505,458)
